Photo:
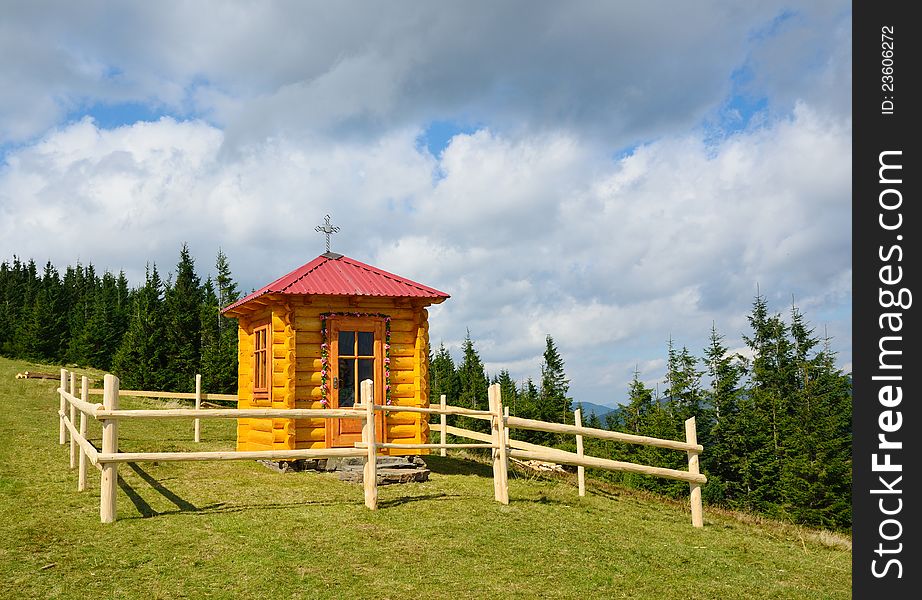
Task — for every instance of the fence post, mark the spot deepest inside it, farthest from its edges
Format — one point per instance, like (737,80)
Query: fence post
(580,471)
(62,438)
(691,437)
(109,479)
(443,425)
(506,436)
(370,475)
(500,464)
(198,406)
(81,471)
(73,421)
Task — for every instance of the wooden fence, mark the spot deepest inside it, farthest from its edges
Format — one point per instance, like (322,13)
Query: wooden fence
(107,458)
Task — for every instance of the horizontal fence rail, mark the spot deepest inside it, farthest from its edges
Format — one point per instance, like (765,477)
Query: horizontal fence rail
(603,434)
(502,446)
(168,395)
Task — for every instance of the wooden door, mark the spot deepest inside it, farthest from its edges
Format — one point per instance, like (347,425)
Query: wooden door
(356,354)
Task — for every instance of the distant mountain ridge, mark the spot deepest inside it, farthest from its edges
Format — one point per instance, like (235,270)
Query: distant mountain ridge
(598,410)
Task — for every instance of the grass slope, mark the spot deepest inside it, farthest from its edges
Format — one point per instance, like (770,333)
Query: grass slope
(239,530)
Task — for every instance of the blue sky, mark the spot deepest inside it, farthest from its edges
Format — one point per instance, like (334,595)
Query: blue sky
(601,173)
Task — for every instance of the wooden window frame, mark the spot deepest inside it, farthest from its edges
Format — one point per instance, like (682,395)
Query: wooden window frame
(263,355)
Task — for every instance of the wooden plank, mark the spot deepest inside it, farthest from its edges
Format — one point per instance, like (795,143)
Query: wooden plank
(231,413)
(81,468)
(443,423)
(500,458)
(121,457)
(519,423)
(476,435)
(424,446)
(109,478)
(168,395)
(580,470)
(697,511)
(73,419)
(82,405)
(63,429)
(449,410)
(197,425)
(370,472)
(570,458)
(85,445)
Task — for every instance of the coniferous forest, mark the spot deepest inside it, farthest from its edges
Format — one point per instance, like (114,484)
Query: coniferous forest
(776,427)
(156,336)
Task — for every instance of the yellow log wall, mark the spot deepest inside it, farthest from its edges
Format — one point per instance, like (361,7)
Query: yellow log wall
(407,345)
(296,366)
(267,434)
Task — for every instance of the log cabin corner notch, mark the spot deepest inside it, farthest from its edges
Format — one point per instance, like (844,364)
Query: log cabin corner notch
(307,339)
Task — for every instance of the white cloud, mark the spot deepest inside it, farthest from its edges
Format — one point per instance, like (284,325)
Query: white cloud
(528,222)
(612,72)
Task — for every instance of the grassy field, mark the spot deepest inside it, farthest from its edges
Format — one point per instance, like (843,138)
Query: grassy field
(240,530)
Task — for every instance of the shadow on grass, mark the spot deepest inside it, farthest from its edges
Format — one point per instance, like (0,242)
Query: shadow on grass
(452,465)
(183,506)
(407,499)
(164,491)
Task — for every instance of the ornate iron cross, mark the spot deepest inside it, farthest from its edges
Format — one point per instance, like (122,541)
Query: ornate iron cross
(327,229)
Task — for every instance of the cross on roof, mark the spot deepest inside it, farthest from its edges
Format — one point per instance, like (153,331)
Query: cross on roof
(327,229)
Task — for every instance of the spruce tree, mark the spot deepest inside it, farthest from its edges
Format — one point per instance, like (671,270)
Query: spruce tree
(140,361)
(553,403)
(725,374)
(184,331)
(443,378)
(473,384)
(508,391)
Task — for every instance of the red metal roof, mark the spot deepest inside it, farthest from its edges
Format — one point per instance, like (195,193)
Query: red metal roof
(337,275)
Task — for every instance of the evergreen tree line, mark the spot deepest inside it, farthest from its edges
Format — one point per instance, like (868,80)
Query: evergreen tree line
(156,336)
(776,427)
(466,385)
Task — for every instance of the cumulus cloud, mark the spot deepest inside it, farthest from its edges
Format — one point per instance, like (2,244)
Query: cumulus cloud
(627,178)
(612,72)
(531,236)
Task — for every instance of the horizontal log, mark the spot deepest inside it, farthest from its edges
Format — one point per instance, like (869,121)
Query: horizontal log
(259,424)
(229,455)
(395,418)
(307,323)
(308,424)
(263,437)
(312,434)
(402,431)
(303,336)
(399,377)
(403,363)
(172,395)
(403,338)
(570,458)
(405,390)
(406,351)
(306,445)
(88,448)
(79,404)
(474,435)
(519,423)
(403,325)
(424,446)
(449,410)
(232,413)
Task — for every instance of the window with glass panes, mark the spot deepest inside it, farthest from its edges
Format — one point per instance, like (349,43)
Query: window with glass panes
(261,362)
(356,363)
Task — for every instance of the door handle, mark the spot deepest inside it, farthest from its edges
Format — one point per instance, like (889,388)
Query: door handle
(336,383)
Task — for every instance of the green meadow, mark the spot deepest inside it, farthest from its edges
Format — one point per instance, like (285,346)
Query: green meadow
(240,530)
